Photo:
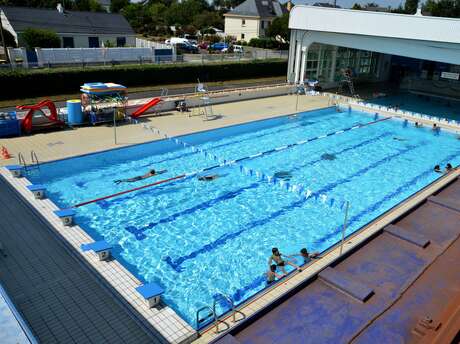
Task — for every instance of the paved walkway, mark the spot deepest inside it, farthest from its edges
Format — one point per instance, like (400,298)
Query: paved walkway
(61,144)
(61,300)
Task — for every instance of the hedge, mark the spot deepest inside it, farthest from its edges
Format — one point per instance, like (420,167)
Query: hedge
(46,82)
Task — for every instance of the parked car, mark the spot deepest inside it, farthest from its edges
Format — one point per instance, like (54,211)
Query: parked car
(176,40)
(187,48)
(219,46)
(238,49)
(203,45)
(191,38)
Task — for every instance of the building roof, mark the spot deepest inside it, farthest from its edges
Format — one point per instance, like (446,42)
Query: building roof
(22,18)
(375,24)
(259,8)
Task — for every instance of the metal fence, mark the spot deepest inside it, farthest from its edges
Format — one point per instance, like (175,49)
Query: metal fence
(59,57)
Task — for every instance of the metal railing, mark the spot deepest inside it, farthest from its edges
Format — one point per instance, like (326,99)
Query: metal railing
(212,313)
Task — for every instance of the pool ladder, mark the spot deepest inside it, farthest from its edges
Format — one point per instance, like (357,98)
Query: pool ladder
(34,164)
(213,313)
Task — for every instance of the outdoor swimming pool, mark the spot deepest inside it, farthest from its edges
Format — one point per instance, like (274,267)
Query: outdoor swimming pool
(198,239)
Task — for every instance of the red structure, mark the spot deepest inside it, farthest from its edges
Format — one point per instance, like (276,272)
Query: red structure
(145,107)
(51,119)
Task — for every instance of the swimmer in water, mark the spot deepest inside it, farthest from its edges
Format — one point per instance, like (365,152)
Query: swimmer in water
(284,175)
(277,257)
(437,169)
(449,168)
(272,275)
(306,256)
(418,125)
(208,178)
(399,139)
(149,174)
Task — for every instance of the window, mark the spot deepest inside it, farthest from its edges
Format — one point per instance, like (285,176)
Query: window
(68,42)
(243,22)
(242,36)
(262,24)
(93,42)
(121,41)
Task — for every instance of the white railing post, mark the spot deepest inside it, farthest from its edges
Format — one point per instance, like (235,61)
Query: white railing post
(344,226)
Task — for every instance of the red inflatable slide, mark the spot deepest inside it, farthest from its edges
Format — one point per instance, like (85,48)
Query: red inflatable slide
(145,107)
(50,120)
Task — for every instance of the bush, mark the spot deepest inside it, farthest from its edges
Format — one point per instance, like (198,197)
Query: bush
(46,82)
(41,38)
(268,43)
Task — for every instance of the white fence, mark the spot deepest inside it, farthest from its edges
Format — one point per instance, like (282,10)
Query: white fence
(143,43)
(93,55)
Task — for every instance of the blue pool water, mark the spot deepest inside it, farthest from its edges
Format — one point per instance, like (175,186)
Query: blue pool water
(433,106)
(198,239)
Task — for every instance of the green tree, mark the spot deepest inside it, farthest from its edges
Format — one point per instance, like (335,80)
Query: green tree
(135,15)
(279,27)
(88,5)
(443,8)
(183,13)
(410,6)
(41,38)
(206,19)
(356,7)
(117,5)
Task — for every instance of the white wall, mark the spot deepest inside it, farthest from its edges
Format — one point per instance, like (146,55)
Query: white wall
(234,27)
(81,40)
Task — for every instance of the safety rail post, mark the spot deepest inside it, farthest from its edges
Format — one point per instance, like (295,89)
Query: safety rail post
(347,206)
(212,313)
(22,161)
(34,158)
(229,300)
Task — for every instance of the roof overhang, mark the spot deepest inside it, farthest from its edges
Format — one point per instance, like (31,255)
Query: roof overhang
(431,38)
(378,24)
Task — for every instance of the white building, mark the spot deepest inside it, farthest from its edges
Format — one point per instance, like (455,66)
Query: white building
(76,29)
(418,52)
(252,18)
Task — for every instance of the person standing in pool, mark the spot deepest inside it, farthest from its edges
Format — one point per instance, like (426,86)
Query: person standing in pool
(272,275)
(149,174)
(277,257)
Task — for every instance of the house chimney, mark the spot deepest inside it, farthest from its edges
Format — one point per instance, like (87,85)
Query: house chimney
(60,8)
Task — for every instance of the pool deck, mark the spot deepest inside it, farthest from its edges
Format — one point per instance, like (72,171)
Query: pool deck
(62,144)
(408,279)
(56,145)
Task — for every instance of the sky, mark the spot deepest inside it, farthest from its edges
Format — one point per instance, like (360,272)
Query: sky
(350,3)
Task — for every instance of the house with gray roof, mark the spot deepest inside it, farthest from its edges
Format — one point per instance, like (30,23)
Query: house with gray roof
(252,18)
(76,29)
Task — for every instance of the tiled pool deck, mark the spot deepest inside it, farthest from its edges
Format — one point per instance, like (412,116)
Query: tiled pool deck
(57,145)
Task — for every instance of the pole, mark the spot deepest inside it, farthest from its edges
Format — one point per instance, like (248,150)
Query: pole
(115,125)
(344,226)
(297,98)
(5,52)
